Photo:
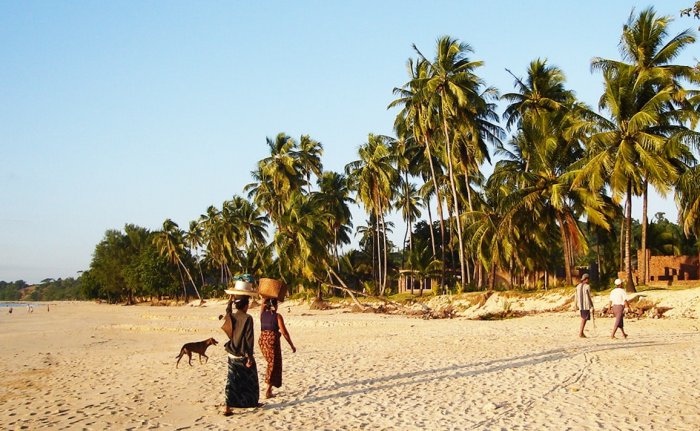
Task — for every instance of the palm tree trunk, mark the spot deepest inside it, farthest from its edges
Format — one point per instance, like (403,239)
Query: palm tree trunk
(374,249)
(182,280)
(622,239)
(187,271)
(379,249)
(598,259)
(471,208)
(643,262)
(335,248)
(439,208)
(430,229)
(567,250)
(386,260)
(201,274)
(628,239)
(455,202)
(405,237)
(408,218)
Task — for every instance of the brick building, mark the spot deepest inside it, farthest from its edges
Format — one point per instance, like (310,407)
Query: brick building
(668,270)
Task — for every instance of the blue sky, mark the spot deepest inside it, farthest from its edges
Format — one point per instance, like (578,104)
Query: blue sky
(133,112)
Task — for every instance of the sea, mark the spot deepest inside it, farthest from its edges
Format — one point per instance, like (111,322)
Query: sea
(13,304)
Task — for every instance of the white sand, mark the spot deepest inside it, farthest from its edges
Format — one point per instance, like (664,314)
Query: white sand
(91,366)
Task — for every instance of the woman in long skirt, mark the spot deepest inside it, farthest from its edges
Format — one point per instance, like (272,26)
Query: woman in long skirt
(271,329)
(242,389)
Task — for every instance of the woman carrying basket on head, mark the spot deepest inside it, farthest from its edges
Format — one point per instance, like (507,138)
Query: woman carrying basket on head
(271,328)
(242,389)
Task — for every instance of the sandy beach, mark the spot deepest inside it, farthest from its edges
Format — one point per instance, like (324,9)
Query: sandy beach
(96,366)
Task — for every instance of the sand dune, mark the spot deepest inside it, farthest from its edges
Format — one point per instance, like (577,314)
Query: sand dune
(95,366)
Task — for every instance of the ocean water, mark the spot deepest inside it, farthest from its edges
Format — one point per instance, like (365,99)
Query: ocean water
(13,304)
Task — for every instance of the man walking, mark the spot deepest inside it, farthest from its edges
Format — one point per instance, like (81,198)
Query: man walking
(584,303)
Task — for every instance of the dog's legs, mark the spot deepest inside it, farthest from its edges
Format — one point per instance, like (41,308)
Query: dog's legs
(190,356)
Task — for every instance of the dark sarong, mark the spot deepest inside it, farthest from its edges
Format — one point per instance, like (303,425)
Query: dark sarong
(242,388)
(618,311)
(272,351)
(586,314)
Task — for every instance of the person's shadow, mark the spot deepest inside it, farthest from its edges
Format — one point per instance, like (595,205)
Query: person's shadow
(435,375)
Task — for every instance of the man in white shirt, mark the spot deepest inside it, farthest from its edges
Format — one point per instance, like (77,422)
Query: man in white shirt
(584,303)
(618,301)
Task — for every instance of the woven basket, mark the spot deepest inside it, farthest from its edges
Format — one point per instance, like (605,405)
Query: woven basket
(271,288)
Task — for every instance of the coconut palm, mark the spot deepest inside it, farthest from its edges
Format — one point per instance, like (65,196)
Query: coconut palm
(408,202)
(194,240)
(170,244)
(277,176)
(215,241)
(373,177)
(309,156)
(688,200)
(452,85)
(629,149)
(541,92)
(405,153)
(645,46)
(302,240)
(334,197)
(418,115)
(546,145)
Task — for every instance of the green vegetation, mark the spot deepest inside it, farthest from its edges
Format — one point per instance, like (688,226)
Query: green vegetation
(560,195)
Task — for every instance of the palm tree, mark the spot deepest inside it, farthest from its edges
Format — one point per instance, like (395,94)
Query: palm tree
(451,85)
(302,240)
(194,240)
(688,200)
(277,176)
(541,93)
(645,47)
(334,198)
(309,156)
(373,178)
(490,235)
(629,148)
(418,115)
(408,202)
(546,145)
(215,240)
(405,153)
(170,244)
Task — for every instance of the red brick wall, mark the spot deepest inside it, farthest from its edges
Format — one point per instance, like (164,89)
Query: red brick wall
(671,268)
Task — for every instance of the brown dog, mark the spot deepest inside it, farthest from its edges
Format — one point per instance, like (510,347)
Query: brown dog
(198,347)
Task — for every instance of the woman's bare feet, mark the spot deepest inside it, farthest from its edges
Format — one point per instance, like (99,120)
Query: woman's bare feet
(228,412)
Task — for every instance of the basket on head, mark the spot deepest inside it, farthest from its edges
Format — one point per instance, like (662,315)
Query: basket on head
(271,288)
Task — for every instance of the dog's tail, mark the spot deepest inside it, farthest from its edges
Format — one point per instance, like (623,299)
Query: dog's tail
(182,352)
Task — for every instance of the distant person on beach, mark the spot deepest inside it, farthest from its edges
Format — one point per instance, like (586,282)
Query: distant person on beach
(10,310)
(242,388)
(271,327)
(584,303)
(618,301)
